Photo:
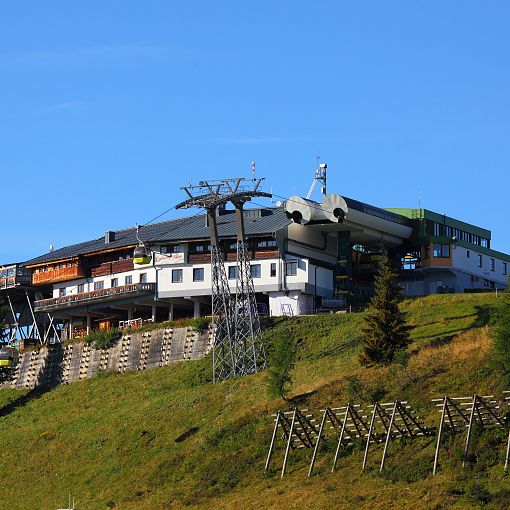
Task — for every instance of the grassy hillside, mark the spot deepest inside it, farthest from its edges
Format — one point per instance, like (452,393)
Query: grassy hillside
(168,438)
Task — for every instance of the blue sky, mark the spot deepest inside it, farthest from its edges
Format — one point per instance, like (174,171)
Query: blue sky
(107,108)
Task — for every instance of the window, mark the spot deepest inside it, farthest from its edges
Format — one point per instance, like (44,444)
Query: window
(271,243)
(255,271)
(486,283)
(441,250)
(493,265)
(504,267)
(273,269)
(438,229)
(176,275)
(173,248)
(115,282)
(99,285)
(232,246)
(62,292)
(480,261)
(448,231)
(199,247)
(143,277)
(198,274)
(232,272)
(81,288)
(291,268)
(468,254)
(128,280)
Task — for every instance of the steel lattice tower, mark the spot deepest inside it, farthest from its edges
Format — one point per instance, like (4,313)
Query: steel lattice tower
(224,359)
(246,317)
(238,348)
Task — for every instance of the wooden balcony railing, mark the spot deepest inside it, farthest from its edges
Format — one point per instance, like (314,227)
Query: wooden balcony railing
(58,275)
(117,266)
(73,300)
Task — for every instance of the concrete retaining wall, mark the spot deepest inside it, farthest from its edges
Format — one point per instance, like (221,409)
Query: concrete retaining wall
(62,364)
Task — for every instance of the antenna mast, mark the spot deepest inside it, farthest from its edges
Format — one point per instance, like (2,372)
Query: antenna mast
(320,176)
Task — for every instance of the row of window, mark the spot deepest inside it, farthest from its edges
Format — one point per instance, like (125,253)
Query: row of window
(443,251)
(206,247)
(256,272)
(54,267)
(492,262)
(446,230)
(198,276)
(99,285)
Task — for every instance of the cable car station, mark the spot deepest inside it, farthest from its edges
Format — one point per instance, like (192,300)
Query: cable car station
(306,256)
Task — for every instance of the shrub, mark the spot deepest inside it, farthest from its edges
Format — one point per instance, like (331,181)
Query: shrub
(103,339)
(200,324)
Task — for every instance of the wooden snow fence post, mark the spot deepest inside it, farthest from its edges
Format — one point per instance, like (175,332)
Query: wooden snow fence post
(297,429)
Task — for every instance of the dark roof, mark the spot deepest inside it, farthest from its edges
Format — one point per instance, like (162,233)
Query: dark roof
(257,222)
(377,211)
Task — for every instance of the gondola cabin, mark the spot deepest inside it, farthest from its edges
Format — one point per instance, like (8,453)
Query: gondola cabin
(142,255)
(8,357)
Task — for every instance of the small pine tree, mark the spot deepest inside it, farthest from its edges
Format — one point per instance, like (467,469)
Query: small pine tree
(385,328)
(281,362)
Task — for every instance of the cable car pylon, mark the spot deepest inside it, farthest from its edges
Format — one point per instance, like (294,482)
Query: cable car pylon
(238,347)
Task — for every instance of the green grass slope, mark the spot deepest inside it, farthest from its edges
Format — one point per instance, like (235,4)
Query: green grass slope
(168,438)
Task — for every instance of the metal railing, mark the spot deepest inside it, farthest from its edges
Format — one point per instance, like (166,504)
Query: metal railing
(94,295)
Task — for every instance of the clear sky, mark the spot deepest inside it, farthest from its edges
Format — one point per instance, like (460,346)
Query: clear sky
(107,108)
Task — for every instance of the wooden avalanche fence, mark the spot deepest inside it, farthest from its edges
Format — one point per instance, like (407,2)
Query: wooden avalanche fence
(381,423)
(463,413)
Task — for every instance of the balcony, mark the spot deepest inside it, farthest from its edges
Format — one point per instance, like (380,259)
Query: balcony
(58,275)
(95,296)
(117,266)
(13,276)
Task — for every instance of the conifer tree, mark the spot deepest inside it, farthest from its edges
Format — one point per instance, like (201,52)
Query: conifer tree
(385,328)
